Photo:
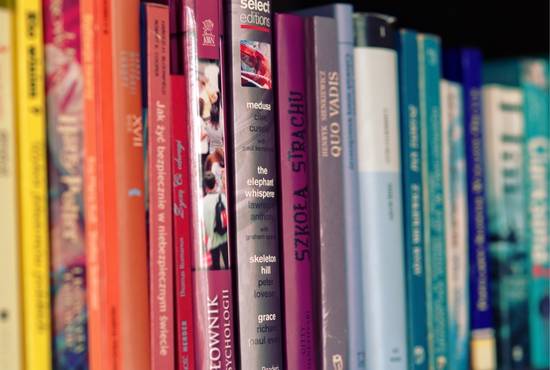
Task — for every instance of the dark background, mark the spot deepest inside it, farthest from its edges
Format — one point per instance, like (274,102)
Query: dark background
(500,28)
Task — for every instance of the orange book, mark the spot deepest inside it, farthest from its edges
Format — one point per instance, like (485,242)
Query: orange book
(88,26)
(124,288)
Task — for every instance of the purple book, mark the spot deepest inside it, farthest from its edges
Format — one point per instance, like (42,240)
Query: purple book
(294,187)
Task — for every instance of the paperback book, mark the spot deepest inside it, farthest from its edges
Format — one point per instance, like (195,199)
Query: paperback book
(65,130)
(10,305)
(253,183)
(325,152)
(380,197)
(295,191)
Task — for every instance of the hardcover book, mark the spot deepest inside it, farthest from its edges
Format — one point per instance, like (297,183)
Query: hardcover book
(181,187)
(429,72)
(464,66)
(413,207)
(343,14)
(456,223)
(125,304)
(157,132)
(380,198)
(531,76)
(65,120)
(10,305)
(212,257)
(503,123)
(253,183)
(32,184)
(323,90)
(295,193)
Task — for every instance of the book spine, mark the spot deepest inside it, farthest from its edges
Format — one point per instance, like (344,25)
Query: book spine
(482,339)
(379,164)
(65,115)
(253,183)
(326,170)
(181,197)
(503,125)
(33,182)
(537,177)
(127,308)
(413,208)
(434,211)
(158,136)
(456,221)
(295,190)
(107,207)
(212,262)
(10,306)
(88,29)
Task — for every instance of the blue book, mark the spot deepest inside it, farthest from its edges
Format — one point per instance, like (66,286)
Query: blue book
(531,77)
(503,125)
(429,67)
(464,66)
(343,13)
(456,224)
(413,208)
(380,197)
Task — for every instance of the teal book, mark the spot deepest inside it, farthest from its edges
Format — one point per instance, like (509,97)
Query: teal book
(456,223)
(531,76)
(413,208)
(429,72)
(503,121)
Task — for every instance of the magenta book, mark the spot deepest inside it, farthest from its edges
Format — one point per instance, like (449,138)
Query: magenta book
(294,187)
(65,106)
(212,281)
(157,121)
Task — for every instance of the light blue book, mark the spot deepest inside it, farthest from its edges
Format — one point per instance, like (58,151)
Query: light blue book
(413,207)
(380,197)
(429,57)
(456,224)
(531,76)
(343,13)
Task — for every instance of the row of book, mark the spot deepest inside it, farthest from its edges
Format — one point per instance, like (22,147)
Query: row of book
(205,185)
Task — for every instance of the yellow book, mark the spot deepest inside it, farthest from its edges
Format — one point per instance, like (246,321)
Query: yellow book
(33,197)
(10,304)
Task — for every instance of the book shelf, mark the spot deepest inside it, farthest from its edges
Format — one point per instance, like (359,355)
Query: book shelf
(500,29)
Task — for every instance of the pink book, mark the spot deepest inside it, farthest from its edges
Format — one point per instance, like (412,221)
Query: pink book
(158,134)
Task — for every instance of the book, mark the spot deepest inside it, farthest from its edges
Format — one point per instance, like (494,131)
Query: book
(10,304)
(380,198)
(413,207)
(88,39)
(343,14)
(124,301)
(157,132)
(531,77)
(253,182)
(464,66)
(323,90)
(211,206)
(456,223)
(32,184)
(181,187)
(295,192)
(503,124)
(429,72)
(65,135)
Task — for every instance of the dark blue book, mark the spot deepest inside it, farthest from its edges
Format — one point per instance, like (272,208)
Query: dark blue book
(465,66)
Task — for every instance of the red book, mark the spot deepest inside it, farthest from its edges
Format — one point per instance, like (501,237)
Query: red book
(181,193)
(158,126)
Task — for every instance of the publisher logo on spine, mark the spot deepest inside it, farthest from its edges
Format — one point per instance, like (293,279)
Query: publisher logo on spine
(208,38)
